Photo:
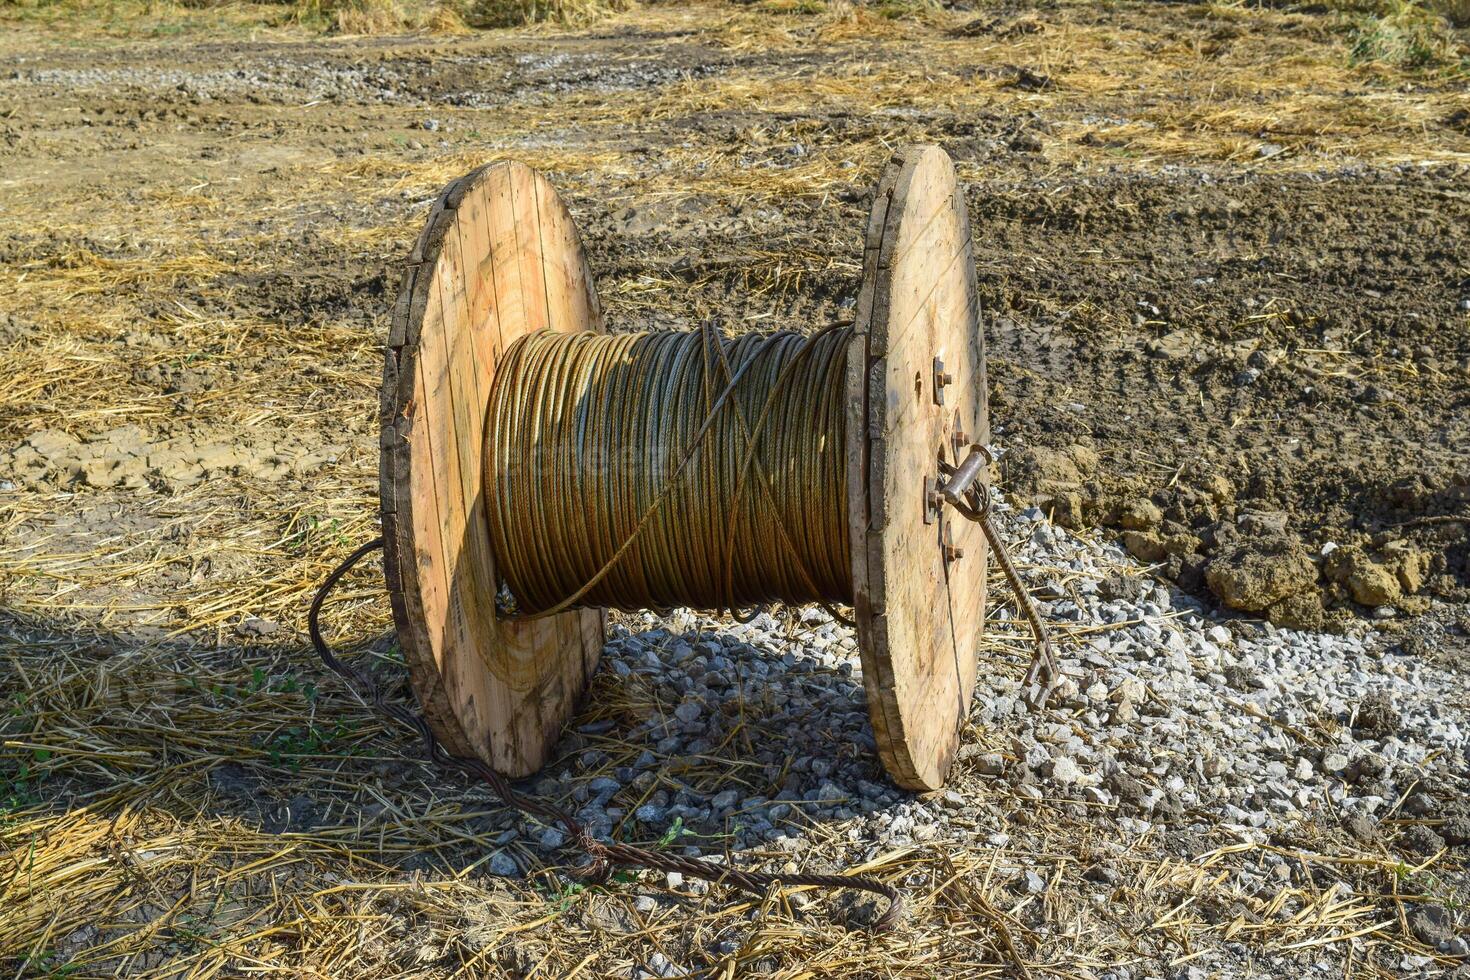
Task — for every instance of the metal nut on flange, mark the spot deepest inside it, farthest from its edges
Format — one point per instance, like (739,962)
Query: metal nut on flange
(941,378)
(947,545)
(959,441)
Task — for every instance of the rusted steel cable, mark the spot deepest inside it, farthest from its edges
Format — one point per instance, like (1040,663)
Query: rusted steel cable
(1041,676)
(644,471)
(603,855)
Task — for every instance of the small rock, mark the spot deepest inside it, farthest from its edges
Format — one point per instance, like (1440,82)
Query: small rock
(604,784)
(1432,925)
(504,865)
(830,792)
(1064,770)
(255,626)
(1034,883)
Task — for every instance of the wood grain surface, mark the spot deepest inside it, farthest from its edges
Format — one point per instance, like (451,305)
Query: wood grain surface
(920,617)
(498,257)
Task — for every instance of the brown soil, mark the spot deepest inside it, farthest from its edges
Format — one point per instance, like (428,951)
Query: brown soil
(1269,360)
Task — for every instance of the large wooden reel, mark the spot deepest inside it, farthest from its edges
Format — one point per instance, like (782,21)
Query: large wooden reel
(500,257)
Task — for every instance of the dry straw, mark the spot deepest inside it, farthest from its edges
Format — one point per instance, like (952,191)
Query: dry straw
(165,733)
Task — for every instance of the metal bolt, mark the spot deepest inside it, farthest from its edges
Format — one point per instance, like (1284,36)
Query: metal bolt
(941,378)
(932,501)
(947,548)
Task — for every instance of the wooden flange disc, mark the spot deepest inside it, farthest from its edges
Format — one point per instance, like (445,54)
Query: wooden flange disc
(498,258)
(920,615)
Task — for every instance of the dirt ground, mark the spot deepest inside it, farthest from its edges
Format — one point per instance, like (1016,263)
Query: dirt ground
(1225,270)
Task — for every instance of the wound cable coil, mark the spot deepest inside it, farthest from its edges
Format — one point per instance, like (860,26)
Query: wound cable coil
(653,470)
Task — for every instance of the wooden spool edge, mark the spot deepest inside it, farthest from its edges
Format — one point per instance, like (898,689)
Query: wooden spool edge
(916,741)
(516,735)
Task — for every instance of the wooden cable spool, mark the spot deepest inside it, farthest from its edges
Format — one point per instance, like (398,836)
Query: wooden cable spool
(500,257)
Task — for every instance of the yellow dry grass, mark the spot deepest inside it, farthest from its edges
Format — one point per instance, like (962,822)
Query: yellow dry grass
(128,680)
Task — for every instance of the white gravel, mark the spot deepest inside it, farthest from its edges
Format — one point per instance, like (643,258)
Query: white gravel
(1168,720)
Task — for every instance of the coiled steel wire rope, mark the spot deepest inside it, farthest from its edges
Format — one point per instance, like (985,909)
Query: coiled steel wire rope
(654,470)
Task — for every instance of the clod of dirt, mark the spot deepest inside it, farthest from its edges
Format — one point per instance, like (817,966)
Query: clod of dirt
(1052,479)
(1043,470)
(1377,717)
(1258,574)
(1421,840)
(1033,81)
(1256,523)
(13,329)
(1159,546)
(1140,515)
(1367,581)
(1300,611)
(1117,586)
(1432,924)
(1456,831)
(1411,566)
(1382,578)
(1026,142)
(1363,828)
